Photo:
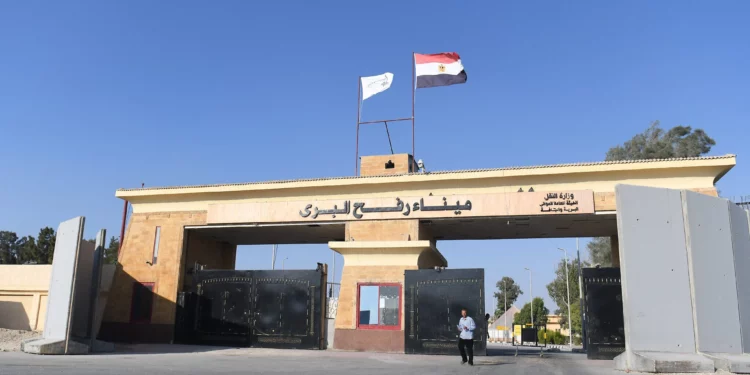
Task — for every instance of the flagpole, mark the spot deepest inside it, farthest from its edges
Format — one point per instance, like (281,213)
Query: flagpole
(356,155)
(413,92)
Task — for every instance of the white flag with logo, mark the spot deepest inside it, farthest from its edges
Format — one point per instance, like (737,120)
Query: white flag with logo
(376,84)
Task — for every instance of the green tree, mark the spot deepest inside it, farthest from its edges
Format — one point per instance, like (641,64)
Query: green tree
(26,249)
(506,287)
(9,248)
(111,251)
(575,319)
(600,251)
(558,290)
(540,313)
(45,246)
(655,143)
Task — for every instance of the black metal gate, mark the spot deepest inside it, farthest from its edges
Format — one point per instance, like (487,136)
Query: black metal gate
(275,309)
(433,303)
(605,333)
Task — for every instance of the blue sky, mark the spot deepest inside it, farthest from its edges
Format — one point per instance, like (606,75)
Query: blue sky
(96,95)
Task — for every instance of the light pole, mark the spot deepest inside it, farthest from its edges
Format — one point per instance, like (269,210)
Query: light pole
(567,282)
(505,294)
(580,297)
(531,296)
(273,257)
(283,263)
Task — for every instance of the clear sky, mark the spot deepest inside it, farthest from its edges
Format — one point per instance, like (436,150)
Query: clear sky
(98,95)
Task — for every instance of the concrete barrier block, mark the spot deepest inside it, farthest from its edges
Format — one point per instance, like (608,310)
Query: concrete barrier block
(712,275)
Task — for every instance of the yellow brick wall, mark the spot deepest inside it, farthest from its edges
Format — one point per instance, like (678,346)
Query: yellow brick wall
(375,165)
(209,252)
(165,274)
(346,317)
(607,201)
(382,230)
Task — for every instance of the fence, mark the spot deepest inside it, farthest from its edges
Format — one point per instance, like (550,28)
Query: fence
(498,335)
(742,201)
(333,300)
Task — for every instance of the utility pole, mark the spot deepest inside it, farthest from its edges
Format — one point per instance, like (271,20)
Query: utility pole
(531,296)
(567,282)
(505,294)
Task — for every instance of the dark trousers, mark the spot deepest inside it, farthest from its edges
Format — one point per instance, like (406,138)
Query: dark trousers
(466,346)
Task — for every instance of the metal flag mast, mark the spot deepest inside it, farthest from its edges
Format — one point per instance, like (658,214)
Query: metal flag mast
(385,122)
(413,94)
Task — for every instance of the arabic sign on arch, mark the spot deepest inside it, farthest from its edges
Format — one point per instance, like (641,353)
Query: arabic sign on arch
(421,207)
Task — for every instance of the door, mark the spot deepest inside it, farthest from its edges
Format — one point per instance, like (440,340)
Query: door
(605,332)
(224,307)
(279,309)
(433,303)
(288,309)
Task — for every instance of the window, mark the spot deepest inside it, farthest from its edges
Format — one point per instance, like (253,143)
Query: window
(142,302)
(156,245)
(379,306)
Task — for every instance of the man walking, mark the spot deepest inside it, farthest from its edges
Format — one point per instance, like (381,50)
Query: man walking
(466,338)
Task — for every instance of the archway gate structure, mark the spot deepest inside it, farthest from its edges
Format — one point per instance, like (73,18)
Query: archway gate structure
(384,222)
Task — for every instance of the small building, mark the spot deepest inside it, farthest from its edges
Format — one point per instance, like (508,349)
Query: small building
(555,324)
(499,330)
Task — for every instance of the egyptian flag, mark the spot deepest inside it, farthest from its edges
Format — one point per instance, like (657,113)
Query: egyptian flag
(439,69)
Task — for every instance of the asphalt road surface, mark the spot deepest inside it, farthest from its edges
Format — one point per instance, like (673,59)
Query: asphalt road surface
(183,360)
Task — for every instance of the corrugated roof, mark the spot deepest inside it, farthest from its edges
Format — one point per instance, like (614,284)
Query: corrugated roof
(580,164)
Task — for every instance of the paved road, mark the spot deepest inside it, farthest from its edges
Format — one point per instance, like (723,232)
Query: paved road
(183,360)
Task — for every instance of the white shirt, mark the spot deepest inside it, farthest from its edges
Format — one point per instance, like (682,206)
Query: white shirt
(467,322)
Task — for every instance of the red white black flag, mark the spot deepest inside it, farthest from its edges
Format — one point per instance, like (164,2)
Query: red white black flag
(439,69)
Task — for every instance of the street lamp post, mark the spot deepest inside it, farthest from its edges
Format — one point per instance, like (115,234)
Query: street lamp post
(580,297)
(283,263)
(567,282)
(531,296)
(273,257)
(505,294)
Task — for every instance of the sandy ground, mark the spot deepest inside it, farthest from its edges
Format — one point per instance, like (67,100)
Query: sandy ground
(10,339)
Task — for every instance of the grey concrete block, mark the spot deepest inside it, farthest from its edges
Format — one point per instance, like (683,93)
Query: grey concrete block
(741,247)
(330,329)
(736,363)
(712,275)
(53,347)
(661,362)
(60,300)
(653,262)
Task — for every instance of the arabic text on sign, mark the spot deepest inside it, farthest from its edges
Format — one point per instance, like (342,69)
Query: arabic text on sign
(358,209)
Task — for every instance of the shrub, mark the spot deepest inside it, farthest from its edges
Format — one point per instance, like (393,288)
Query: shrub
(553,337)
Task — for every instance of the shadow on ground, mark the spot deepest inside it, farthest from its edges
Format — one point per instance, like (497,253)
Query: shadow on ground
(166,349)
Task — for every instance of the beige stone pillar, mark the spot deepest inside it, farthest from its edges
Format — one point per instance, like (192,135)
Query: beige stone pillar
(615,244)
(373,262)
